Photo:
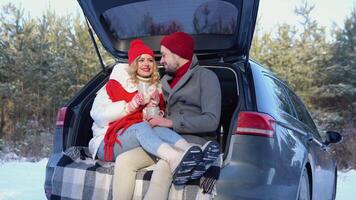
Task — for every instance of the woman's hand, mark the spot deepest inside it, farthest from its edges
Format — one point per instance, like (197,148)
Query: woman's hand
(135,103)
(154,100)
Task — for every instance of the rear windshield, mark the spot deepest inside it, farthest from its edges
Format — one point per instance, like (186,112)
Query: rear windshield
(161,17)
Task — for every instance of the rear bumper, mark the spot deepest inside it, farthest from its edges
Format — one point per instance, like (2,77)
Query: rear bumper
(260,168)
(241,181)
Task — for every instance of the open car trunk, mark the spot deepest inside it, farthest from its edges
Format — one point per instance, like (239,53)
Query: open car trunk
(222,32)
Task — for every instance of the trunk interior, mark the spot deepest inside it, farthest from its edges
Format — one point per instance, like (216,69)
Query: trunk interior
(78,121)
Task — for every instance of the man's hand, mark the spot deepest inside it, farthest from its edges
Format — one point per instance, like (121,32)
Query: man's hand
(160,121)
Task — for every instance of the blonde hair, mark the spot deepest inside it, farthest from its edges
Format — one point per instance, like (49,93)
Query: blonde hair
(132,71)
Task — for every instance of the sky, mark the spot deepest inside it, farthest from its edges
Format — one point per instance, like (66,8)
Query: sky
(271,12)
(326,12)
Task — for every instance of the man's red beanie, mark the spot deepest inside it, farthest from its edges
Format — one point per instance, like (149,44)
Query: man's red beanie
(179,43)
(137,48)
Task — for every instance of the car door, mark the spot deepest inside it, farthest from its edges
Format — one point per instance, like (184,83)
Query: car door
(323,166)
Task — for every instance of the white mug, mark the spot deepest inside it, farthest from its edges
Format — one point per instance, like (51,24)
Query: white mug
(144,89)
(152,111)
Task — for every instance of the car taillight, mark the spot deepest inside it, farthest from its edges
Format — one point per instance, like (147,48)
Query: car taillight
(254,123)
(61,115)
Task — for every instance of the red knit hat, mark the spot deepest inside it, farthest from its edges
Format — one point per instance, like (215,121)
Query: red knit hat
(179,43)
(137,48)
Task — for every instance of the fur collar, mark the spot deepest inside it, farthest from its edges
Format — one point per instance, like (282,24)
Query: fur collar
(120,74)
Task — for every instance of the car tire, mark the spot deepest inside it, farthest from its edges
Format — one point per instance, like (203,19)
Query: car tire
(304,187)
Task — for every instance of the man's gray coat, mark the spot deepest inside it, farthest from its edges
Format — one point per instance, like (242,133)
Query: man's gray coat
(194,103)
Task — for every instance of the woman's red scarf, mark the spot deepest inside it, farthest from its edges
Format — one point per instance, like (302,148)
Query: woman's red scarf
(117,93)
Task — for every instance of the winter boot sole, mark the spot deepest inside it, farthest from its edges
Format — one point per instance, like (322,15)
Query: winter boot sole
(211,152)
(183,172)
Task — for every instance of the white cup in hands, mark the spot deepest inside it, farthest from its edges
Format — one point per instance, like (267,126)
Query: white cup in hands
(144,88)
(149,112)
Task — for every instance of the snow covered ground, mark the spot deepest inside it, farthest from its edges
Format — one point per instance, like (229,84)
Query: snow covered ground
(24,180)
(346,188)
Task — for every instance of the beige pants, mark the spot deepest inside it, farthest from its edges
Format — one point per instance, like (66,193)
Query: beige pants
(126,166)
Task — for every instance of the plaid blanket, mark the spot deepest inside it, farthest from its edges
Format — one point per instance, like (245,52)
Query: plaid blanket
(78,176)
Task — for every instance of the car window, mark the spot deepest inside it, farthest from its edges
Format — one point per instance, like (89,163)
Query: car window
(159,17)
(302,113)
(280,95)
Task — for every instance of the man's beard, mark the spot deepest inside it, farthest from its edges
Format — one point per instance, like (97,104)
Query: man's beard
(169,72)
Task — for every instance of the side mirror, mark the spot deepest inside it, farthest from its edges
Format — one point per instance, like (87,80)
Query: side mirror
(333,137)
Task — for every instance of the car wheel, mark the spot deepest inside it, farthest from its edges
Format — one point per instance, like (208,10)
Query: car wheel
(304,187)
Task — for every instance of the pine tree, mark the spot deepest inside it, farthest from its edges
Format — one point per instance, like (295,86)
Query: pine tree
(336,98)
(295,54)
(338,92)
(43,62)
